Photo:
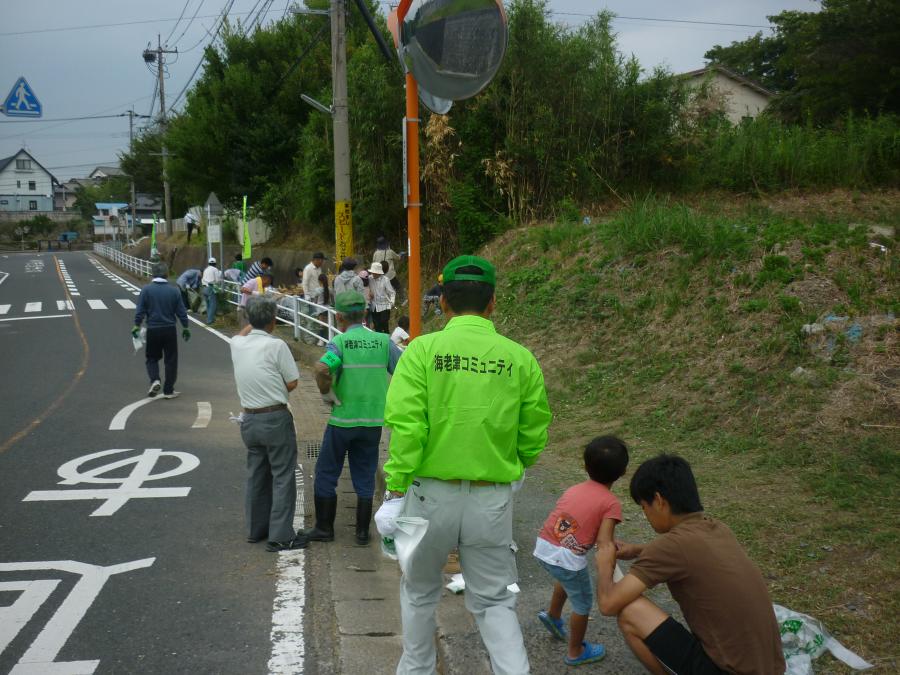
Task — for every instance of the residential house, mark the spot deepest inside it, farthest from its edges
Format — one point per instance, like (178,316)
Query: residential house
(25,185)
(64,193)
(101,173)
(111,219)
(742,97)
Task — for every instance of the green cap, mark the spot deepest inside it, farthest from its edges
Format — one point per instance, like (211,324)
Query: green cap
(349,301)
(487,273)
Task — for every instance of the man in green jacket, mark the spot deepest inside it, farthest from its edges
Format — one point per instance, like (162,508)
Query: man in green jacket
(352,377)
(468,413)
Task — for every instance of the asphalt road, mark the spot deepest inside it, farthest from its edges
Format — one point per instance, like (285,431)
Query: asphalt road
(189,594)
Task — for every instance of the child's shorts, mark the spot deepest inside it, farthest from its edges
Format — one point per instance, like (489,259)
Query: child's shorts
(577,584)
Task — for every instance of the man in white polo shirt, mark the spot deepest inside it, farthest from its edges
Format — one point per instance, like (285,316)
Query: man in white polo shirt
(211,280)
(265,372)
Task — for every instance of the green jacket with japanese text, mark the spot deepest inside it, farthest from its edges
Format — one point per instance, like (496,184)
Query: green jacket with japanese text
(465,403)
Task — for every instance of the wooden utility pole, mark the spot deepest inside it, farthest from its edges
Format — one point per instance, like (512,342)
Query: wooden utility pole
(343,213)
(158,55)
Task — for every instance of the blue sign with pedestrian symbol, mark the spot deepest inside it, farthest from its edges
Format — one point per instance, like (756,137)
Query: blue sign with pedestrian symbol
(21,101)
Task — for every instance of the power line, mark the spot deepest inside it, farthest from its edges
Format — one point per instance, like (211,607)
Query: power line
(63,119)
(190,23)
(172,32)
(107,25)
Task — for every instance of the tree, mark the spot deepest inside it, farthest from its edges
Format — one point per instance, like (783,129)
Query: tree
(113,189)
(841,59)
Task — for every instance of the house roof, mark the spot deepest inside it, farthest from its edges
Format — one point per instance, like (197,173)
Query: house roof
(746,81)
(6,160)
(108,170)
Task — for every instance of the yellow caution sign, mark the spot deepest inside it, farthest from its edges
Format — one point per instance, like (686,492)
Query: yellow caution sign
(343,230)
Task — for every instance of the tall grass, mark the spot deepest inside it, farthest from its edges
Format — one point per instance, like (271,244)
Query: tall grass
(766,154)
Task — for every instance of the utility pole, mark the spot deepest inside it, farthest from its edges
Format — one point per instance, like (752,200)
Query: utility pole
(343,216)
(151,55)
(131,151)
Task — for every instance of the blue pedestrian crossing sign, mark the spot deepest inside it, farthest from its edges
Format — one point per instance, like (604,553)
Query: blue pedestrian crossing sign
(21,101)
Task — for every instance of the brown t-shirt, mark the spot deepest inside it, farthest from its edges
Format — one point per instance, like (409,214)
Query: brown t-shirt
(721,592)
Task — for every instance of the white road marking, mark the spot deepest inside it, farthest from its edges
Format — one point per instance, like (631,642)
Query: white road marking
(41,654)
(204,415)
(33,306)
(130,486)
(127,304)
(121,417)
(4,308)
(5,275)
(288,646)
(47,316)
(96,304)
(65,304)
(76,294)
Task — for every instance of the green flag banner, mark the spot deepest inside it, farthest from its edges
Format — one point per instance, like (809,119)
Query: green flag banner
(247,247)
(153,235)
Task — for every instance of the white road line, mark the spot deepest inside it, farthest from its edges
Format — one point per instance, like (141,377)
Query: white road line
(121,418)
(5,275)
(76,294)
(33,306)
(96,304)
(288,646)
(4,308)
(46,316)
(65,304)
(127,304)
(204,415)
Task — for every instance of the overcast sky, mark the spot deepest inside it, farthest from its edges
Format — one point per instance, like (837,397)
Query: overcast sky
(99,70)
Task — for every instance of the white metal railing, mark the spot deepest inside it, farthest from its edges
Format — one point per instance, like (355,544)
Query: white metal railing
(292,309)
(138,266)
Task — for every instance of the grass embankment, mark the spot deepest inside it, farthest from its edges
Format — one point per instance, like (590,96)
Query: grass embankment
(681,328)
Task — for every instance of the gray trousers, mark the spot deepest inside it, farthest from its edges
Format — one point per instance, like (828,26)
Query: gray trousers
(477,520)
(271,484)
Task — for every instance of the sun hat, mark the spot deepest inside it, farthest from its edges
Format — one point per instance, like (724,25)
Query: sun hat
(376,268)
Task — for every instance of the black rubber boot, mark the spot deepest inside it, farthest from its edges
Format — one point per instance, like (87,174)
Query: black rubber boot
(363,516)
(326,507)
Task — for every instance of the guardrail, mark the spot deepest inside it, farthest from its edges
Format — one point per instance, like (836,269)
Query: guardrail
(138,266)
(292,309)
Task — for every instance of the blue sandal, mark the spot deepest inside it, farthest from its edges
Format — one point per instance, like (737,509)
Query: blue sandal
(592,653)
(557,627)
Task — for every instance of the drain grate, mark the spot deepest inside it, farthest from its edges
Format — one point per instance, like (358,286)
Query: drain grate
(312,449)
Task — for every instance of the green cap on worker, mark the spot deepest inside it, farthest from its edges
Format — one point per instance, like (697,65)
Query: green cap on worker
(349,301)
(486,273)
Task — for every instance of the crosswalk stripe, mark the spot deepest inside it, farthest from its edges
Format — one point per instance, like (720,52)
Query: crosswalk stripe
(4,308)
(33,306)
(127,304)
(96,304)
(65,304)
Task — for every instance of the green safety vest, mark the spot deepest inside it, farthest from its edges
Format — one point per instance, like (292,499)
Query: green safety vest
(362,383)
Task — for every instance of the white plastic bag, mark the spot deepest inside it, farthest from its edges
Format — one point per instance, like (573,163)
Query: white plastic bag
(803,639)
(139,341)
(386,515)
(409,532)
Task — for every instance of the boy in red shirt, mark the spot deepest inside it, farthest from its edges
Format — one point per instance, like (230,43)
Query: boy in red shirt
(586,514)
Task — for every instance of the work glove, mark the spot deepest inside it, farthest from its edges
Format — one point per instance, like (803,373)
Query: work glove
(386,516)
(330,399)
(186,334)
(135,331)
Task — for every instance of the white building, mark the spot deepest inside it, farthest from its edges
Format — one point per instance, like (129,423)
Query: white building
(25,185)
(743,98)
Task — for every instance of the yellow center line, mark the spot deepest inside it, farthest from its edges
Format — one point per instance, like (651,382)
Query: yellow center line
(85,355)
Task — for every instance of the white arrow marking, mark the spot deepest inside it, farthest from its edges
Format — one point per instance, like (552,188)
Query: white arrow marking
(204,415)
(118,422)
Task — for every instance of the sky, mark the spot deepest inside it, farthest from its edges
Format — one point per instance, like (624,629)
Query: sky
(79,67)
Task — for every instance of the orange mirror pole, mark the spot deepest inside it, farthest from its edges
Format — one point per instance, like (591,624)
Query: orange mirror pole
(413,206)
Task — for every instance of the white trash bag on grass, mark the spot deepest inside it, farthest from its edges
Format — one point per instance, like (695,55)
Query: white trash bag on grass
(803,639)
